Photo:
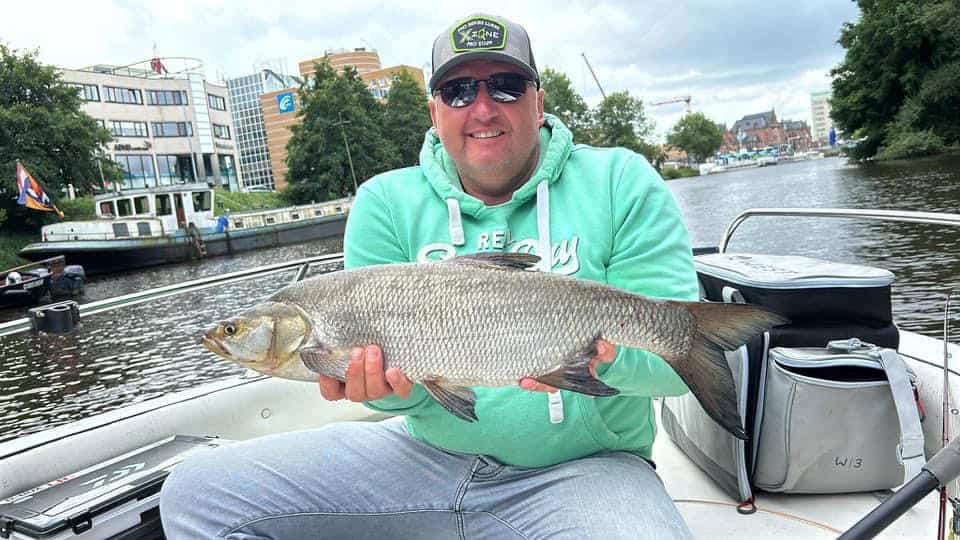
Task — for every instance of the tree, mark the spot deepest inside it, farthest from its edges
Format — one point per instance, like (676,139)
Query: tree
(41,124)
(334,106)
(620,121)
(696,135)
(899,79)
(562,101)
(407,117)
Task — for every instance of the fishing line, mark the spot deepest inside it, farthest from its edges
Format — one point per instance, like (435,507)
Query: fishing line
(777,513)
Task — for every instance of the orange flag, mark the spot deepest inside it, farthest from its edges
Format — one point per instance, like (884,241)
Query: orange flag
(32,194)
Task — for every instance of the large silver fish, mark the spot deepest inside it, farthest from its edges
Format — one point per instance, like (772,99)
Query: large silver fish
(486,320)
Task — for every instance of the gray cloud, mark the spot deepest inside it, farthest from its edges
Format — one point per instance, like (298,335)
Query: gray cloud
(731,56)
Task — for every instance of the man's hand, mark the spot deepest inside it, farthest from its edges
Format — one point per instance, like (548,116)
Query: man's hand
(606,352)
(366,380)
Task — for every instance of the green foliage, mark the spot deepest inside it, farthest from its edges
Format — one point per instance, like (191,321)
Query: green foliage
(334,106)
(620,121)
(78,209)
(407,117)
(41,124)
(11,242)
(669,173)
(902,66)
(233,201)
(697,135)
(562,101)
(910,144)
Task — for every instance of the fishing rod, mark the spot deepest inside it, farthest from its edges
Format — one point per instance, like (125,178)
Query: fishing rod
(942,515)
(940,470)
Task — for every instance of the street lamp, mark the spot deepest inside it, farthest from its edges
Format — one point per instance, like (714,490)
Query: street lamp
(347,146)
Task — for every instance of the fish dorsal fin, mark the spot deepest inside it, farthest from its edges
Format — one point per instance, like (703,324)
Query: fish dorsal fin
(503,261)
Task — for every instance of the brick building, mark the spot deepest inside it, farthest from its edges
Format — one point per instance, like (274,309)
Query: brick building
(762,130)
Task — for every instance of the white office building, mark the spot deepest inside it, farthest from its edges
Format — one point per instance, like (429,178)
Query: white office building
(169,124)
(820,110)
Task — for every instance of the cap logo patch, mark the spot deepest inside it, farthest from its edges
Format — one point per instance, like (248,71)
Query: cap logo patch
(479,35)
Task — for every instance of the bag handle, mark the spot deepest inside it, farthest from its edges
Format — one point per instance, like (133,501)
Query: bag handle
(910,449)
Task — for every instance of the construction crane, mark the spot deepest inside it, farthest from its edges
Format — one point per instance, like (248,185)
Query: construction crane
(595,79)
(678,99)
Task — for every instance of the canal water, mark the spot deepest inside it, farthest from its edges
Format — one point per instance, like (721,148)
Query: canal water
(145,351)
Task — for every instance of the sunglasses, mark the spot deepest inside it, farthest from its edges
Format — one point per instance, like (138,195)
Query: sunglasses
(502,88)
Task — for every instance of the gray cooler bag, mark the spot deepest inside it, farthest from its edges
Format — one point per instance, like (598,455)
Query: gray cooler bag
(838,419)
(824,301)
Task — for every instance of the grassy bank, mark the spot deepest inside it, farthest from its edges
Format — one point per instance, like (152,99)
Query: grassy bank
(241,202)
(11,243)
(680,172)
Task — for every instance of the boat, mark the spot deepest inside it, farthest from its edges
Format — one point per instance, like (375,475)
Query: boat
(49,278)
(113,488)
(144,227)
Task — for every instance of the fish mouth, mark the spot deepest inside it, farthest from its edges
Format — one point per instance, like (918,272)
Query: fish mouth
(214,346)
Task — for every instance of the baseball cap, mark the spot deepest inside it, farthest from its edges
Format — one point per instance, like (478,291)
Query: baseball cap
(482,37)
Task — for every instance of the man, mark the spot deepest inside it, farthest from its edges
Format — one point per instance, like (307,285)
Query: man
(495,174)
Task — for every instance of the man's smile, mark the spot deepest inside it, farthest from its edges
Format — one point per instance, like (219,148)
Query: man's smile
(485,134)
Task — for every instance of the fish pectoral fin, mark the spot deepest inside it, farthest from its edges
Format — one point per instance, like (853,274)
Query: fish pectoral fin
(574,375)
(501,261)
(320,359)
(459,400)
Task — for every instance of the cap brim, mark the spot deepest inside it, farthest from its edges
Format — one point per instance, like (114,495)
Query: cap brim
(493,56)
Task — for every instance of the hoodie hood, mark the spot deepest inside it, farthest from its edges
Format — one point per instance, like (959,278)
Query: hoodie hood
(556,142)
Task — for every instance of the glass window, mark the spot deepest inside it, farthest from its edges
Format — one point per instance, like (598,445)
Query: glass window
(123,128)
(221,132)
(115,94)
(120,230)
(137,169)
(87,92)
(216,102)
(164,208)
(201,200)
(175,169)
(106,209)
(124,208)
(141,205)
(167,97)
(143,228)
(172,129)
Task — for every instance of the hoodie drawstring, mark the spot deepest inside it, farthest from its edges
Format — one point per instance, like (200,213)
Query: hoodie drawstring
(454,222)
(544,246)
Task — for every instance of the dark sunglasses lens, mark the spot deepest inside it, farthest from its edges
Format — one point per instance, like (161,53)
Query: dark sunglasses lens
(459,92)
(506,87)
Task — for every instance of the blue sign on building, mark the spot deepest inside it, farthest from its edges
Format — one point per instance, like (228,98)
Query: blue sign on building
(285,102)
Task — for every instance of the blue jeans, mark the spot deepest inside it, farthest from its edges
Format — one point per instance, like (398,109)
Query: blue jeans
(372,480)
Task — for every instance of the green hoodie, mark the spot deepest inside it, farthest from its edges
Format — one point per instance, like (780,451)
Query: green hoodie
(607,216)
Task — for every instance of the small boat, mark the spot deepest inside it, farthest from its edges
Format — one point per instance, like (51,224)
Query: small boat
(48,278)
(167,224)
(102,474)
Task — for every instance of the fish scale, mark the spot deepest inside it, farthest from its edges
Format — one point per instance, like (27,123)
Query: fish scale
(487,320)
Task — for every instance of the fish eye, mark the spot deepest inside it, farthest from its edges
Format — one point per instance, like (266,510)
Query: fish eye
(229,329)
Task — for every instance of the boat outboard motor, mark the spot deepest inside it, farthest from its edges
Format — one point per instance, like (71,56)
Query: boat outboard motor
(68,283)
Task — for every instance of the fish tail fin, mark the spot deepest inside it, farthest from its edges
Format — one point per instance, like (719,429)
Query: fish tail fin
(574,375)
(720,327)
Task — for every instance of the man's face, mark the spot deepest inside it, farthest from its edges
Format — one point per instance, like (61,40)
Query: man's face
(495,145)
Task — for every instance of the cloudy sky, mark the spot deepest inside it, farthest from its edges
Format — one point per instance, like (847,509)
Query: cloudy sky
(733,57)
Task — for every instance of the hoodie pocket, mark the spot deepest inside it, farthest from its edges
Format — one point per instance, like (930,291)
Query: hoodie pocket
(593,422)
